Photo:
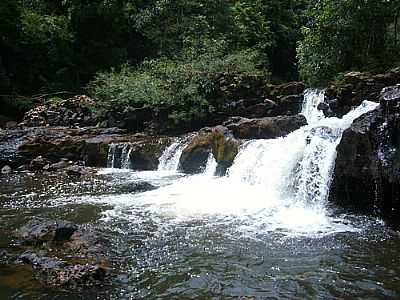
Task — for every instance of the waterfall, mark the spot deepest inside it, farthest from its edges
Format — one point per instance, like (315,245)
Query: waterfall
(297,169)
(111,155)
(273,184)
(312,98)
(125,157)
(169,160)
(211,166)
(119,156)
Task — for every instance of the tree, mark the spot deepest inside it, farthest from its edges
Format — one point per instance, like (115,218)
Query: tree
(344,35)
(273,27)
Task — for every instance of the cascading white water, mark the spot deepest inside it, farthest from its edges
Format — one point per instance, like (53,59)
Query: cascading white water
(297,169)
(211,166)
(119,156)
(280,183)
(126,156)
(309,109)
(111,155)
(169,160)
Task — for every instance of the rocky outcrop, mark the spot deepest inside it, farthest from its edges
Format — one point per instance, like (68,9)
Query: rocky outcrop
(367,171)
(265,128)
(248,96)
(218,141)
(285,99)
(76,111)
(223,141)
(61,147)
(354,88)
(245,96)
(142,153)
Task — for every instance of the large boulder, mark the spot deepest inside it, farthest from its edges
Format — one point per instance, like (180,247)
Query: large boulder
(218,141)
(265,128)
(367,171)
(144,154)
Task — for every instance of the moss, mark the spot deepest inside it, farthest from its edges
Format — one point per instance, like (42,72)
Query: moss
(224,149)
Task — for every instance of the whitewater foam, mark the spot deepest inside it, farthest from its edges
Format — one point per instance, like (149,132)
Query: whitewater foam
(278,184)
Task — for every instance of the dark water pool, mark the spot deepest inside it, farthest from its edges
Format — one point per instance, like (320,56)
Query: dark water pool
(208,256)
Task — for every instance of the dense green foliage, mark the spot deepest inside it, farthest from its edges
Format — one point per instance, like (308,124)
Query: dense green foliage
(152,52)
(189,85)
(52,45)
(347,35)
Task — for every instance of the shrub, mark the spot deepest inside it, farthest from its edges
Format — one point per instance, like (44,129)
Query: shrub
(186,84)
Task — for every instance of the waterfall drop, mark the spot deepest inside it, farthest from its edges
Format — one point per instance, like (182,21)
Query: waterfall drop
(119,156)
(169,160)
(273,184)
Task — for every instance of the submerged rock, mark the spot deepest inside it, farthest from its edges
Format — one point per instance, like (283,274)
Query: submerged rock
(265,128)
(135,187)
(56,273)
(5,258)
(62,254)
(367,171)
(39,231)
(6,169)
(41,262)
(38,163)
(64,237)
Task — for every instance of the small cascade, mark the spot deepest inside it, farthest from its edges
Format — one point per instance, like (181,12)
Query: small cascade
(211,166)
(169,160)
(119,156)
(273,184)
(111,155)
(297,169)
(125,157)
(312,98)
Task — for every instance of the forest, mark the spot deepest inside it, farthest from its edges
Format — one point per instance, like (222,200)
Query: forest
(209,149)
(147,53)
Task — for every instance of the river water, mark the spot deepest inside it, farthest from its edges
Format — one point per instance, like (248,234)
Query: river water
(264,231)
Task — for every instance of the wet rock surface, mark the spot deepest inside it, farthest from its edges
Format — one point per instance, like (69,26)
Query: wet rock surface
(217,140)
(356,87)
(367,172)
(145,154)
(265,128)
(39,231)
(55,146)
(56,273)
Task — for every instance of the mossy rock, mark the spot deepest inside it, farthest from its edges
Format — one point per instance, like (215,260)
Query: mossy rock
(217,141)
